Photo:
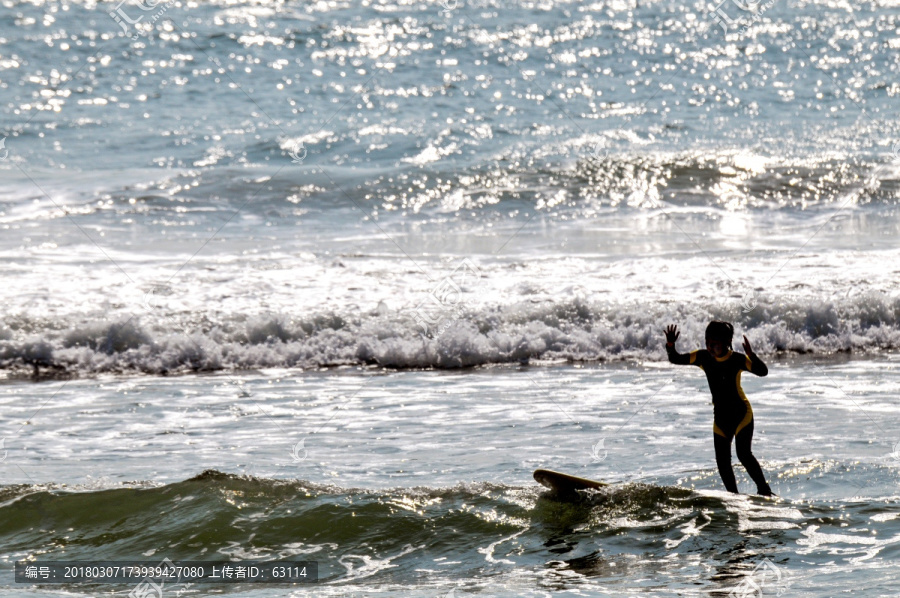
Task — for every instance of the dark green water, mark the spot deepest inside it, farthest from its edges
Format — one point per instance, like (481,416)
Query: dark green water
(629,536)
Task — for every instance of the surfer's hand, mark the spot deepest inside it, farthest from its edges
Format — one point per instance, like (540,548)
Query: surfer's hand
(747,349)
(672,333)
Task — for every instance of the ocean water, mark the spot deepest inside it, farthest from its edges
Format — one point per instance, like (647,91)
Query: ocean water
(329,280)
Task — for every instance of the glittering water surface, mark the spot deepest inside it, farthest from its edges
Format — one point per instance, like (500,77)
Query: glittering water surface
(331,279)
(222,174)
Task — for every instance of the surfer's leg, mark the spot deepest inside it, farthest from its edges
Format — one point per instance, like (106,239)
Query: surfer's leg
(723,459)
(742,443)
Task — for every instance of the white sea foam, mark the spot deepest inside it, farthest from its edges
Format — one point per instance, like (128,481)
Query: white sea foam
(575,330)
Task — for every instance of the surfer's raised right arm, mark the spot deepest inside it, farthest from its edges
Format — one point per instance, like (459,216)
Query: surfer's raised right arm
(672,335)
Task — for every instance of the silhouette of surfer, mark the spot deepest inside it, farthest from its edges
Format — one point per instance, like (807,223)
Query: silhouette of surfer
(732,414)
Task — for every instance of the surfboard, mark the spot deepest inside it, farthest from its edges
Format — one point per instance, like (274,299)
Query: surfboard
(563,482)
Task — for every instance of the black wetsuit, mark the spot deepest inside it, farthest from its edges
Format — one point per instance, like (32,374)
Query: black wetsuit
(732,414)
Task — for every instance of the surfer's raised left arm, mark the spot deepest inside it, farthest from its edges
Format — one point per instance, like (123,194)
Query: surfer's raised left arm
(754,364)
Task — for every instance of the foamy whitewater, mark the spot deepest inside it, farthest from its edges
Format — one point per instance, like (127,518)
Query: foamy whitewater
(329,280)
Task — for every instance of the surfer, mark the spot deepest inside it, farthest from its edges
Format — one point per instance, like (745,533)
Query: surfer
(732,414)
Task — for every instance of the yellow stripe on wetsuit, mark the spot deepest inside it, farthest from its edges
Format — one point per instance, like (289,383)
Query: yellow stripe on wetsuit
(748,417)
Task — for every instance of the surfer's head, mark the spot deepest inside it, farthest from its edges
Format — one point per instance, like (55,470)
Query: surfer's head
(718,337)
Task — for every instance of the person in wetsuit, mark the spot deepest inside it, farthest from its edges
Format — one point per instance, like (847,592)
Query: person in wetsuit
(732,414)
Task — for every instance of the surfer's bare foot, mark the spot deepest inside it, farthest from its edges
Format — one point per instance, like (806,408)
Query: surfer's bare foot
(765,491)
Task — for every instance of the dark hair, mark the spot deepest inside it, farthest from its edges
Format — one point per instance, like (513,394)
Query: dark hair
(720,331)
